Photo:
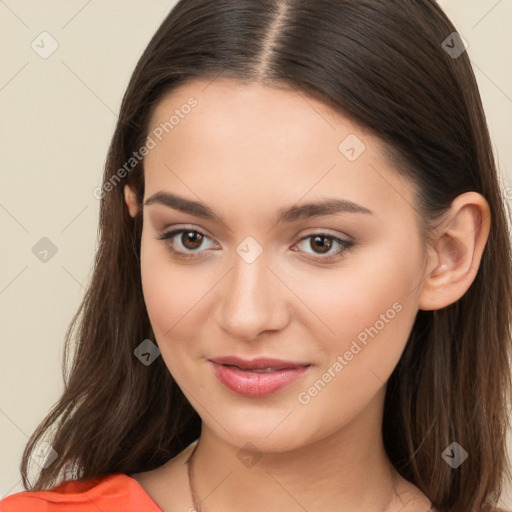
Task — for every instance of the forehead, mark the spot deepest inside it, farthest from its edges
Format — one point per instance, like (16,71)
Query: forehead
(256,145)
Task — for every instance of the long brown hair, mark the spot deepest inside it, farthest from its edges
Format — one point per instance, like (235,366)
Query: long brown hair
(386,65)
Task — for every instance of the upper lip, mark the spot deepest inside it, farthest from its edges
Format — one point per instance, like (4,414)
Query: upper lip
(258,363)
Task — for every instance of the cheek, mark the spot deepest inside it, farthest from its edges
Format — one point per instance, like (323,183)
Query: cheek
(371,314)
(171,290)
(368,307)
(176,298)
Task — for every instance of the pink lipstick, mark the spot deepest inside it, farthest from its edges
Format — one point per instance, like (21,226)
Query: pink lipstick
(257,377)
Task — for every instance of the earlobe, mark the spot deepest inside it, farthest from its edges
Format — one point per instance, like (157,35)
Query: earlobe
(130,198)
(457,252)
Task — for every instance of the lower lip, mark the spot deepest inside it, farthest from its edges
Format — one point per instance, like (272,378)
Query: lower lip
(254,384)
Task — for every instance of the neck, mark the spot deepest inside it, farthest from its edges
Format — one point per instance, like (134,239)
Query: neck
(346,471)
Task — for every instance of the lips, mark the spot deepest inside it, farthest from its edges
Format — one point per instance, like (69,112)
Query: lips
(257,377)
(260,363)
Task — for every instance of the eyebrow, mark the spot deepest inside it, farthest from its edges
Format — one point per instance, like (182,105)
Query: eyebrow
(327,206)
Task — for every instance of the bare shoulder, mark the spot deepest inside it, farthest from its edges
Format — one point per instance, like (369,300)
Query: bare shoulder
(167,485)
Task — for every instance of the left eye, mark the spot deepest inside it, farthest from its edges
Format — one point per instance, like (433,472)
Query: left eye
(324,242)
(191,240)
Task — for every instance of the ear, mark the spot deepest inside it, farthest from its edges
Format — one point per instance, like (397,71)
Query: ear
(130,198)
(454,257)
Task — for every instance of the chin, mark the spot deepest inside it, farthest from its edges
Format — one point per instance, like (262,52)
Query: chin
(272,433)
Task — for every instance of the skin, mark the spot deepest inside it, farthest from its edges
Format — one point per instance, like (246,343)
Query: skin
(247,150)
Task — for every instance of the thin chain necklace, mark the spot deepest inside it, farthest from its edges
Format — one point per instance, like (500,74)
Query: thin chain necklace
(193,492)
(191,486)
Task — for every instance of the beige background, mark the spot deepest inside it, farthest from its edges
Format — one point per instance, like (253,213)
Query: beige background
(57,117)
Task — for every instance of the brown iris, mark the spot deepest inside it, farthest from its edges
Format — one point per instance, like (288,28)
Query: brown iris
(193,238)
(320,239)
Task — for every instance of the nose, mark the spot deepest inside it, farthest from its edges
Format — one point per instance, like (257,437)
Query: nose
(254,300)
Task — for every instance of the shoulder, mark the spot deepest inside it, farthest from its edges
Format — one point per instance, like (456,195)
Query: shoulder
(108,493)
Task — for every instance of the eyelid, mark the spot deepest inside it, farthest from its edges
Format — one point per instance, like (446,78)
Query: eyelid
(328,232)
(184,227)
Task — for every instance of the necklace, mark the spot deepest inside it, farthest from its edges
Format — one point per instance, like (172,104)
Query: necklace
(191,487)
(193,492)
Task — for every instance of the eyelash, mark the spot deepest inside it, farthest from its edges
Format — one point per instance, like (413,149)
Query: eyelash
(167,237)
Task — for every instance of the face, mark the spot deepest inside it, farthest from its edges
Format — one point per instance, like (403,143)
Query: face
(332,296)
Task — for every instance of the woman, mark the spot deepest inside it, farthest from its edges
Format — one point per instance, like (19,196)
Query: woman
(302,295)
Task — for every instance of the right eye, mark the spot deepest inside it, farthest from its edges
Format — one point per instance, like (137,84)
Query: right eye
(190,240)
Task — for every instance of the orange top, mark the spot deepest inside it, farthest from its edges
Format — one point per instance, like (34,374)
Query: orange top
(117,492)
